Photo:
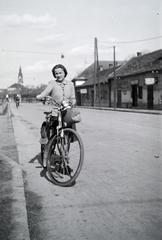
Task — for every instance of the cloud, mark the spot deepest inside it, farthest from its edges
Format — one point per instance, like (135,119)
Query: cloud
(104,46)
(83,51)
(88,50)
(28,20)
(53,41)
(40,66)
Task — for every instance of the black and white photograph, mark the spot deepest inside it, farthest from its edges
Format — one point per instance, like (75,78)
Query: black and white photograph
(80,120)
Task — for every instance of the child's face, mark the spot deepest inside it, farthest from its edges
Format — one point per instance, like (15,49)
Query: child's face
(59,74)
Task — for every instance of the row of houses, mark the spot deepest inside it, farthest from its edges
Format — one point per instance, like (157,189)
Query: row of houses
(25,94)
(137,83)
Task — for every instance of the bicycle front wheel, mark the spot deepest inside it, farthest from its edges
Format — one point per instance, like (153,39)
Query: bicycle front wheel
(65,155)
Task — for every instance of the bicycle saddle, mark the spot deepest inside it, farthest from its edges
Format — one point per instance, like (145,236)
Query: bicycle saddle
(47,113)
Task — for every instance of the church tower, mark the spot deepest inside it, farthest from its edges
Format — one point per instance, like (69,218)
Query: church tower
(20,76)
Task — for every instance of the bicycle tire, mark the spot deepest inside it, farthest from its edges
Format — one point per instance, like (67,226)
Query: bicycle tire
(17,105)
(63,170)
(44,134)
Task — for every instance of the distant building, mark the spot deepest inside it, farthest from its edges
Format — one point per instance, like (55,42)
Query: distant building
(20,76)
(138,84)
(85,94)
(16,88)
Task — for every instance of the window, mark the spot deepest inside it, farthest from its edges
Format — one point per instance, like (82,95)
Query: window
(140,92)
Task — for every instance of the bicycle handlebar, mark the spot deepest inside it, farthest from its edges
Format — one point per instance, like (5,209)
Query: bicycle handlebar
(59,105)
(49,97)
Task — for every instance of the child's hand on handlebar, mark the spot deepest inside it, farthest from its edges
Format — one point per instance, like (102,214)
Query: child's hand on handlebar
(40,98)
(67,103)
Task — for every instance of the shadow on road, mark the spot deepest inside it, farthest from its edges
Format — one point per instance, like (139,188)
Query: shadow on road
(36,158)
(44,172)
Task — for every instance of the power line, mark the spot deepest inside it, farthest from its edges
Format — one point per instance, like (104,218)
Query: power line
(142,40)
(7,50)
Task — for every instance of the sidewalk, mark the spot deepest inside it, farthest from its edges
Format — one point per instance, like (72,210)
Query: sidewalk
(13,215)
(131,110)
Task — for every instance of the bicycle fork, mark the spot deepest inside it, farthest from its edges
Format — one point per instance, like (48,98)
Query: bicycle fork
(64,148)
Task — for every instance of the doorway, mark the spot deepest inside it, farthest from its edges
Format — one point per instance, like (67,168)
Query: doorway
(119,98)
(150,97)
(78,98)
(134,95)
(92,98)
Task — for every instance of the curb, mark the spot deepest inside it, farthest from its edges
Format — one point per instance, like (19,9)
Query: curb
(19,213)
(3,108)
(9,111)
(143,111)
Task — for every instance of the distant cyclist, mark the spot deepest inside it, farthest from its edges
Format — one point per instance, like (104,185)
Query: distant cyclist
(17,101)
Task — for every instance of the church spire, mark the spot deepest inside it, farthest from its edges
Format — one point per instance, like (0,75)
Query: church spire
(20,76)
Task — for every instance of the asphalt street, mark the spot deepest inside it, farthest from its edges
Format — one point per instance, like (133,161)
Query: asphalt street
(118,194)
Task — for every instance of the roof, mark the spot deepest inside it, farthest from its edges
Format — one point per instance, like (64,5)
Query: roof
(35,92)
(145,63)
(14,92)
(89,72)
(26,91)
(103,77)
(17,86)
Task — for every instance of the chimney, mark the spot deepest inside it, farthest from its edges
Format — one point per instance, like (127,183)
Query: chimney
(100,68)
(139,54)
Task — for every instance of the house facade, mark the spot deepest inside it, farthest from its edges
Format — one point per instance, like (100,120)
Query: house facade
(95,90)
(138,84)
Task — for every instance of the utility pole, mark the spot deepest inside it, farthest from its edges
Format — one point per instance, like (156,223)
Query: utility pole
(96,71)
(94,86)
(99,94)
(114,79)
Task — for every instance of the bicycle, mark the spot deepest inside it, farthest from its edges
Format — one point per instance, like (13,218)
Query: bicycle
(17,103)
(62,149)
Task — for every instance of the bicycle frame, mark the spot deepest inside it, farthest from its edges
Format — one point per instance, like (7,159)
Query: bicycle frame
(61,154)
(60,125)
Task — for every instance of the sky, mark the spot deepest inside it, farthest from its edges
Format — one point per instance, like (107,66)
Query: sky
(35,33)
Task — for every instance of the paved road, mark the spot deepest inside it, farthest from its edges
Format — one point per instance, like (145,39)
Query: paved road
(118,194)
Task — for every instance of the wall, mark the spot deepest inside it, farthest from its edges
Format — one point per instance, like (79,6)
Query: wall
(124,84)
(3,108)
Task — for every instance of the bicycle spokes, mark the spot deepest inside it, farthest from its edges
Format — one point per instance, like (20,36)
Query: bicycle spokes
(64,166)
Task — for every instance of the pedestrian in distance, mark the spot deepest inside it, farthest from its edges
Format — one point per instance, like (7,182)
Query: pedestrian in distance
(17,101)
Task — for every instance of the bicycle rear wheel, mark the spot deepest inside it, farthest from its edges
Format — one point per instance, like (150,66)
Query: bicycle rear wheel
(17,104)
(65,155)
